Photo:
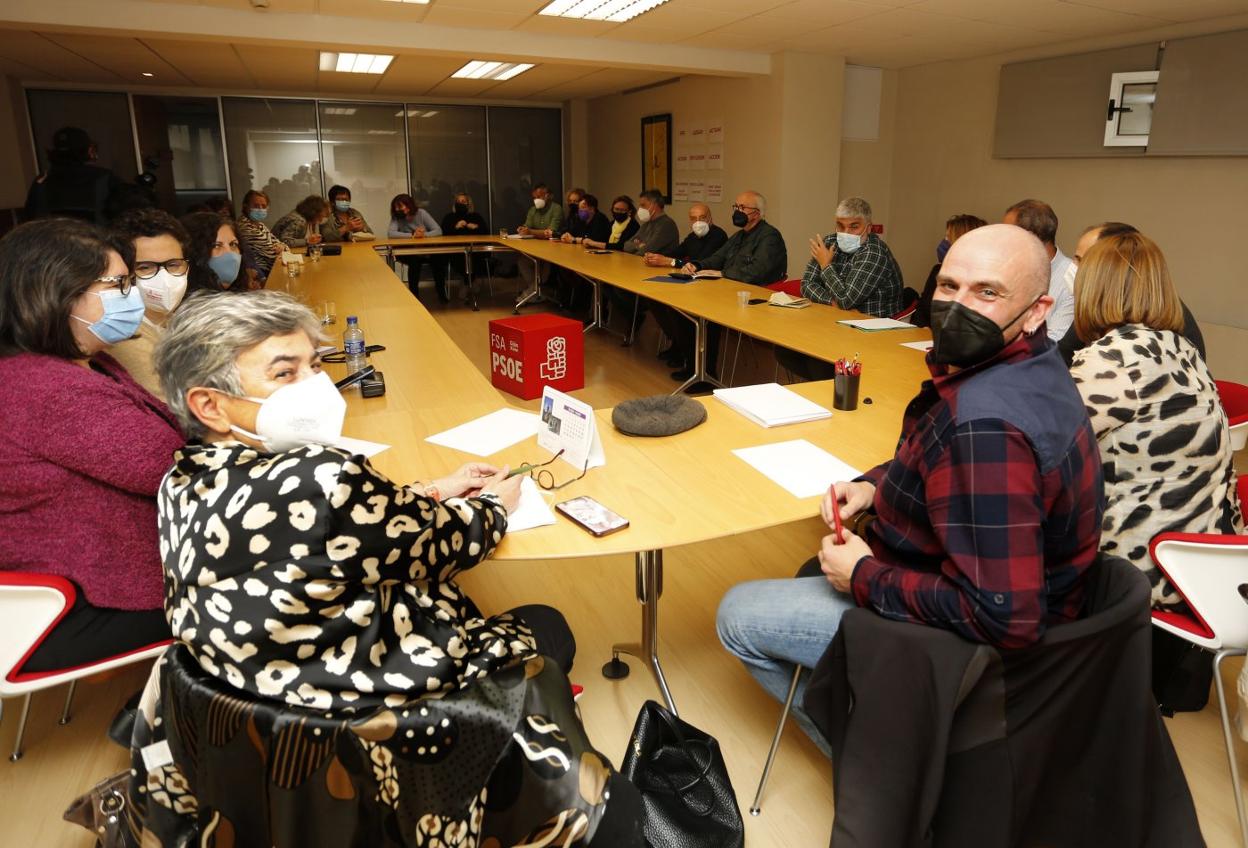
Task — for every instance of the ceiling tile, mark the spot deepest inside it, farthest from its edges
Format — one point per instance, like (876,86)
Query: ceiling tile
(337,83)
(762,29)
(655,35)
(817,13)
(1045,15)
(128,58)
(1188,10)
(686,19)
(205,63)
(538,79)
(460,87)
(35,51)
(413,75)
(276,68)
(566,26)
(448,16)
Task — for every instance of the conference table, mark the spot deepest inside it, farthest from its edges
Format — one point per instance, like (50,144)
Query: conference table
(677,490)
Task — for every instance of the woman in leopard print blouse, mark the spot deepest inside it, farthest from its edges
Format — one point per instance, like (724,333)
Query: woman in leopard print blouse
(1163,435)
(295,571)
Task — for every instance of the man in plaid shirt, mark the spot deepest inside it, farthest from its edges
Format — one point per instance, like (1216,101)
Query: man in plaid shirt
(989,513)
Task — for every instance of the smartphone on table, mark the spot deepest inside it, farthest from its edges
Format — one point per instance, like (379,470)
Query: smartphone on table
(592,516)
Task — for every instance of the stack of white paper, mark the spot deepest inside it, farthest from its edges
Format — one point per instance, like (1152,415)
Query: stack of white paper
(772,405)
(872,325)
(798,466)
(489,434)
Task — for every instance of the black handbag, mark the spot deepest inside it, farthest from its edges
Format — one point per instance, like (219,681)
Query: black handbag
(685,789)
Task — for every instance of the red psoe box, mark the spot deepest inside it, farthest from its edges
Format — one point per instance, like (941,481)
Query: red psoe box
(529,352)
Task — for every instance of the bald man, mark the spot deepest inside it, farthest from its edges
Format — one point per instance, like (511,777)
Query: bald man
(988,516)
(705,237)
(755,253)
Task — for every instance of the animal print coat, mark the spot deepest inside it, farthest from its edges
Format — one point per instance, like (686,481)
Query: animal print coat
(1165,447)
(309,578)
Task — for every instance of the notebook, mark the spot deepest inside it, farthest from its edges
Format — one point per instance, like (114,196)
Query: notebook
(771,405)
(788,301)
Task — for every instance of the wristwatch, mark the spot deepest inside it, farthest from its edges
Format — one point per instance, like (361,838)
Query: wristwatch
(674,265)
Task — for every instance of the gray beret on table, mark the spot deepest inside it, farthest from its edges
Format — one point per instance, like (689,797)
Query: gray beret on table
(661,415)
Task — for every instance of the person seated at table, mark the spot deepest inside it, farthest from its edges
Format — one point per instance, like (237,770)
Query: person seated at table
(409,220)
(572,223)
(294,570)
(1071,342)
(220,259)
(543,221)
(705,237)
(264,247)
(1039,219)
(594,228)
(302,226)
(852,269)
(344,219)
(156,247)
(464,220)
(1163,434)
(221,205)
(623,226)
(955,228)
(755,253)
(988,516)
(657,233)
(85,446)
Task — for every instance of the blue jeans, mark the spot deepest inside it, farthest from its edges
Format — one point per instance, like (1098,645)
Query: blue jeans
(775,625)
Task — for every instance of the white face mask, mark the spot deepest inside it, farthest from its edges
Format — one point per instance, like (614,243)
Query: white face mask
(539,202)
(163,292)
(643,215)
(848,242)
(701,228)
(308,412)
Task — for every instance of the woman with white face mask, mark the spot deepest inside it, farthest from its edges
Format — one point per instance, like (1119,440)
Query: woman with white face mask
(157,244)
(85,446)
(298,573)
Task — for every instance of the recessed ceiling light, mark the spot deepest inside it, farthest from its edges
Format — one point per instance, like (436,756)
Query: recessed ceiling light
(600,10)
(148,74)
(481,69)
(415,113)
(340,110)
(355,63)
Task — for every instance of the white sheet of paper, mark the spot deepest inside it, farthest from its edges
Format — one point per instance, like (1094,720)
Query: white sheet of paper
(872,324)
(369,449)
(489,434)
(923,346)
(798,466)
(532,511)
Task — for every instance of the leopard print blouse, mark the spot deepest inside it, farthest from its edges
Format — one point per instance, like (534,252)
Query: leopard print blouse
(310,578)
(1165,446)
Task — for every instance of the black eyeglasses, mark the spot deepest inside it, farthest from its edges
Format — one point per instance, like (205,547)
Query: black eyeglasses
(737,207)
(123,282)
(543,477)
(146,270)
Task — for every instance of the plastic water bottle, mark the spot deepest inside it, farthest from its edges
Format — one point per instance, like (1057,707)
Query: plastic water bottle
(353,345)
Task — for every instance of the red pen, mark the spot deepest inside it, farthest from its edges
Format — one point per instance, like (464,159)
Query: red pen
(838,530)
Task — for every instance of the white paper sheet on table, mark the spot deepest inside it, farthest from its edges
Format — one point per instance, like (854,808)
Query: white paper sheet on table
(872,325)
(923,346)
(533,511)
(798,466)
(489,434)
(369,449)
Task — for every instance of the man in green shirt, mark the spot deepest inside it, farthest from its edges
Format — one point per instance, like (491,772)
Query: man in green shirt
(755,253)
(543,220)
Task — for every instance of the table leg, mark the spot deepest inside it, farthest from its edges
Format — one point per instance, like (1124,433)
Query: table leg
(700,374)
(649,590)
(472,282)
(536,292)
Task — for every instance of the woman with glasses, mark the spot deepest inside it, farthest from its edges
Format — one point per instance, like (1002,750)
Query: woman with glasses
(85,446)
(154,245)
(220,257)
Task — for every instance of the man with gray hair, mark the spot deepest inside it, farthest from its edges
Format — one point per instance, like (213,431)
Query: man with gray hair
(1039,219)
(755,253)
(989,514)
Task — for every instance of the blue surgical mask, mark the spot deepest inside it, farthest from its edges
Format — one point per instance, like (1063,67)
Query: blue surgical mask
(226,266)
(122,315)
(848,242)
(257,214)
(342,205)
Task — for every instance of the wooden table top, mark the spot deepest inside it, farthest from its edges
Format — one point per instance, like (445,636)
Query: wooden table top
(674,491)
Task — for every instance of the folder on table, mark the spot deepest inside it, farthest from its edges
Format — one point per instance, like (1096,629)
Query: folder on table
(771,405)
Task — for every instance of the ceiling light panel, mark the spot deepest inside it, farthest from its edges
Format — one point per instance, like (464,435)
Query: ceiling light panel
(616,11)
(355,63)
(481,69)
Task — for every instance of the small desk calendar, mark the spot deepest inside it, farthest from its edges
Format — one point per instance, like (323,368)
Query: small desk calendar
(569,425)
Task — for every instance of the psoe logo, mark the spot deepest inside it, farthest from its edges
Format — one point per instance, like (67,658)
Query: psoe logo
(556,364)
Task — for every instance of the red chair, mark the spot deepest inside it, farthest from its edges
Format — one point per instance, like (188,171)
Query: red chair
(1210,572)
(31,605)
(1235,402)
(910,302)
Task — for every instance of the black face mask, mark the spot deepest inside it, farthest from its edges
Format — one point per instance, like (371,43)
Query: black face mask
(739,218)
(620,217)
(963,337)
(461,208)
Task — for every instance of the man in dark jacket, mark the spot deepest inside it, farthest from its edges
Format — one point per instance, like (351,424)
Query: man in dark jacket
(988,515)
(73,187)
(755,253)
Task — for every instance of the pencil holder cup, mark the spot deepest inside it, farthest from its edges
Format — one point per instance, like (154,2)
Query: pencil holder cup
(845,391)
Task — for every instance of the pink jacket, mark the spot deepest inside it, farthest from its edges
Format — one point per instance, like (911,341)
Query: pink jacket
(82,454)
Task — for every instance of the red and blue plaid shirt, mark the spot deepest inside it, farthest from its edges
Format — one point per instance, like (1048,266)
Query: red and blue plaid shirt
(990,512)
